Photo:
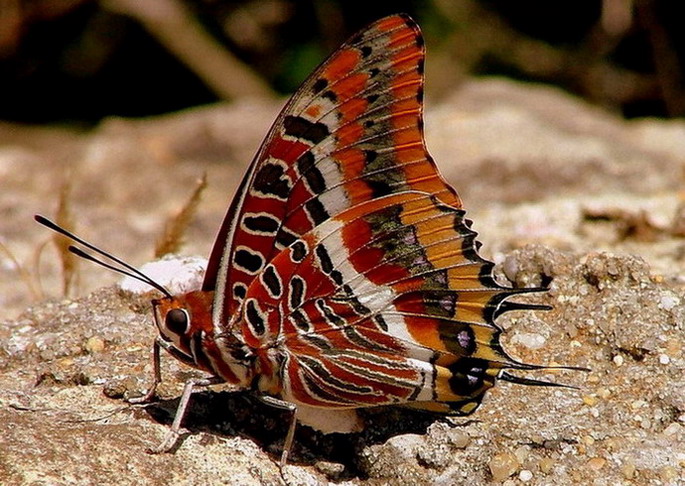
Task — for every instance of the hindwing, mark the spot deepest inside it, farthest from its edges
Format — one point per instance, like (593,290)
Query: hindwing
(388,302)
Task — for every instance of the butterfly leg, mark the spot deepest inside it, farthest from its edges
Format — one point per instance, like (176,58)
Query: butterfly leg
(150,394)
(292,408)
(174,431)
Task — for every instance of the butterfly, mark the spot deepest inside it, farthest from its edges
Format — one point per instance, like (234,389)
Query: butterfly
(345,274)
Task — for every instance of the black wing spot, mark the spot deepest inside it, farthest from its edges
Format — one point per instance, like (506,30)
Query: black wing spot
(319,85)
(306,165)
(380,322)
(239,290)
(272,281)
(458,338)
(330,95)
(357,39)
(366,51)
(271,180)
(261,223)
(299,251)
(285,238)
(324,259)
(301,320)
(303,129)
(468,376)
(254,317)
(297,287)
(420,66)
(317,213)
(419,95)
(337,277)
(249,261)
(440,303)
(329,314)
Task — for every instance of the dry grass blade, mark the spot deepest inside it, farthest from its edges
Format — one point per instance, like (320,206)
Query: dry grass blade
(24,274)
(64,219)
(175,227)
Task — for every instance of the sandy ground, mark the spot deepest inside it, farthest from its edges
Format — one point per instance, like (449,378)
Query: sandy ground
(555,188)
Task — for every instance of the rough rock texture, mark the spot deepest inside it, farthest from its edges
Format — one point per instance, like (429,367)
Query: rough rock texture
(558,191)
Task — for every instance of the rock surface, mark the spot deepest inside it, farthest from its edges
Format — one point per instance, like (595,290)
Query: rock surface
(557,189)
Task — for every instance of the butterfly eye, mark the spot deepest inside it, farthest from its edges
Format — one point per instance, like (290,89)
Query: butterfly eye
(177,321)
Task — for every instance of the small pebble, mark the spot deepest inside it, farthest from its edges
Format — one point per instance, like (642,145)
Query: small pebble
(635,404)
(95,345)
(525,475)
(672,429)
(546,464)
(628,470)
(331,470)
(589,400)
(596,463)
(592,379)
(503,465)
(674,348)
(459,439)
(664,359)
(114,389)
(618,360)
(668,301)
(522,453)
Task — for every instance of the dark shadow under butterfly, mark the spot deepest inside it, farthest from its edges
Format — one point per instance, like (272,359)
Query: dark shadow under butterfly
(344,275)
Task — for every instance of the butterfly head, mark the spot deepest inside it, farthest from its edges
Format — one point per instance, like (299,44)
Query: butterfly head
(185,323)
(186,328)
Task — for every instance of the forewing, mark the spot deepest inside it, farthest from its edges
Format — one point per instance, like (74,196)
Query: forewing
(352,132)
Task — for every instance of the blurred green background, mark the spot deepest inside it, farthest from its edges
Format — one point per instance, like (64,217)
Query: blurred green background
(78,61)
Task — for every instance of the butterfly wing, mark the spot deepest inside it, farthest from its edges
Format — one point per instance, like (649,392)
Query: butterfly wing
(388,302)
(352,132)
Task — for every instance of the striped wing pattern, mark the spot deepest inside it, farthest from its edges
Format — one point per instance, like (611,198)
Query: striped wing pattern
(386,303)
(352,132)
(345,266)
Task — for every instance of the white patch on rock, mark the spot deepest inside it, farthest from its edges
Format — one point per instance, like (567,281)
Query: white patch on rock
(177,274)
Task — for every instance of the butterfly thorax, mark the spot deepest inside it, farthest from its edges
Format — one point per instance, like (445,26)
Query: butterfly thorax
(256,329)
(186,327)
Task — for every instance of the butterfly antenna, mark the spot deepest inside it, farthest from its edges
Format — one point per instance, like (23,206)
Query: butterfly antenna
(127,269)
